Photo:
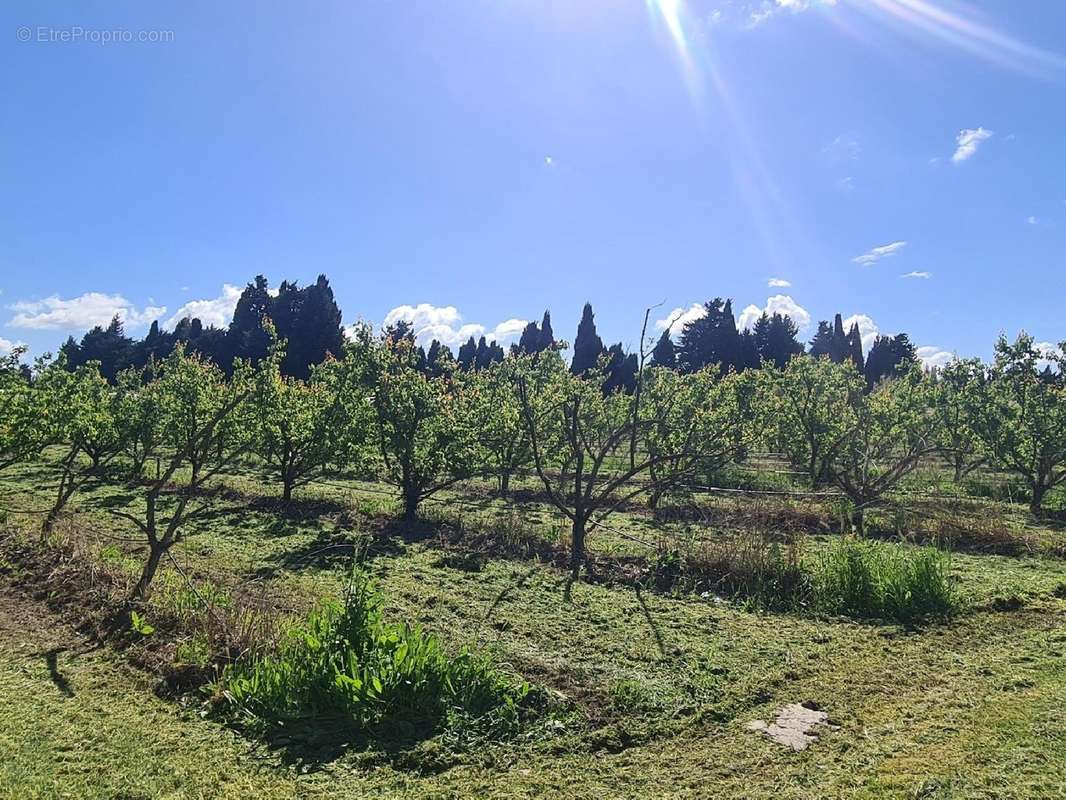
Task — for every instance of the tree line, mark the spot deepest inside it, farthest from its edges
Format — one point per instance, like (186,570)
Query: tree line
(375,411)
(309,320)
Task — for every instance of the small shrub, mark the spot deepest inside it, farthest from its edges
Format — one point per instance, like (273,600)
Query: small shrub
(346,662)
(866,579)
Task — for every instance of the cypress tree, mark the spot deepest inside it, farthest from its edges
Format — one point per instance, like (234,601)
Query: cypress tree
(855,347)
(467,354)
(838,349)
(587,345)
(529,342)
(547,336)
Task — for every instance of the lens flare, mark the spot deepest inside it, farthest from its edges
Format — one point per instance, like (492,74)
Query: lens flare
(960,28)
(770,215)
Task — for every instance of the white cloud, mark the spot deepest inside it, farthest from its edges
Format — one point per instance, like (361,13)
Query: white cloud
(757,13)
(677,319)
(803,5)
(217,311)
(1033,221)
(846,184)
(6,345)
(79,313)
(843,148)
(778,304)
(875,254)
(932,356)
(778,283)
(445,324)
(868,330)
(928,355)
(1051,352)
(917,274)
(968,141)
(548,161)
(760,16)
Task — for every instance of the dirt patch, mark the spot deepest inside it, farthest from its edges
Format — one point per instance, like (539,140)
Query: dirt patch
(793,726)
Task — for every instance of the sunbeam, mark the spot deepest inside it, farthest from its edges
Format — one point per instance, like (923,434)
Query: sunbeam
(960,28)
(768,211)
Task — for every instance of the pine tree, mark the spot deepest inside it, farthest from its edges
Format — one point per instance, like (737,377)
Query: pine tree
(822,343)
(621,371)
(247,337)
(664,354)
(587,345)
(888,356)
(316,331)
(110,346)
(749,350)
(711,339)
(775,339)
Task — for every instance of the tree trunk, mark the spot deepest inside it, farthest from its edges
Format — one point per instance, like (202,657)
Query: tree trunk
(410,504)
(286,491)
(1036,504)
(155,555)
(505,482)
(67,486)
(654,497)
(858,522)
(577,546)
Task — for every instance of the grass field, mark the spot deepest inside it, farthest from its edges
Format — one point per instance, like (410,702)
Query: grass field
(651,689)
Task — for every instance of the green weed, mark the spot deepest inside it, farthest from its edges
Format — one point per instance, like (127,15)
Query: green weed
(347,662)
(867,579)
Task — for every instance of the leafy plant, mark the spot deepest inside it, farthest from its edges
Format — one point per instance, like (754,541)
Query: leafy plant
(138,624)
(346,661)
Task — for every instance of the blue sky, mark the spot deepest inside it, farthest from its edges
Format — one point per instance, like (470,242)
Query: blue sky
(478,161)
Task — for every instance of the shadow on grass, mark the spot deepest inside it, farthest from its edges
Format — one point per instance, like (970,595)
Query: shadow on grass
(51,659)
(313,744)
(337,545)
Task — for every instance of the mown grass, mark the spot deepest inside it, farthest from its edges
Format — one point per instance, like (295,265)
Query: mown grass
(650,688)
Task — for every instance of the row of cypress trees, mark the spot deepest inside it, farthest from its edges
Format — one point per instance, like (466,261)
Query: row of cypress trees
(310,320)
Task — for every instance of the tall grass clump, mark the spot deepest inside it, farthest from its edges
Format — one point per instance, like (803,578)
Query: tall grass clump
(866,579)
(346,663)
(748,566)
